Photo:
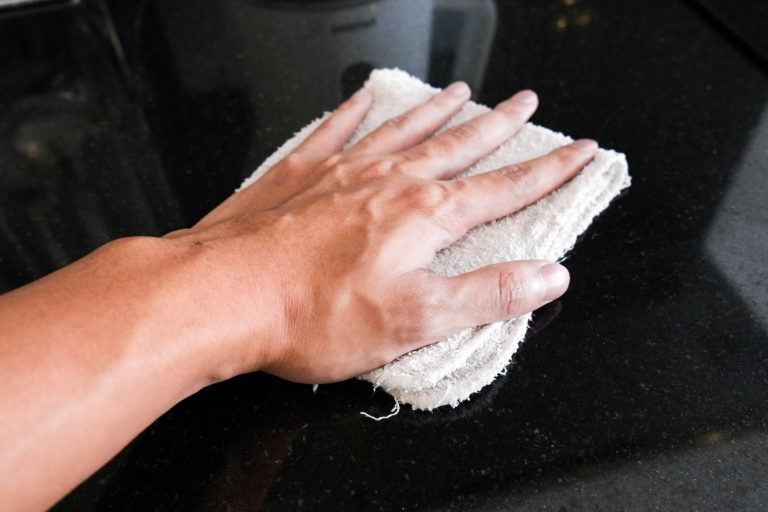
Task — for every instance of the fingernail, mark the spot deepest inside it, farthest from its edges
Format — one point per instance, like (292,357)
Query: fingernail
(526,96)
(459,89)
(554,280)
(585,145)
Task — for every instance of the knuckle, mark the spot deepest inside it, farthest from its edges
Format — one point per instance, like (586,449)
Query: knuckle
(424,151)
(398,123)
(430,196)
(466,133)
(458,187)
(340,173)
(511,172)
(511,294)
(400,166)
(528,183)
(456,212)
(176,233)
(376,170)
(566,158)
(524,181)
(564,154)
(418,156)
(332,161)
(293,162)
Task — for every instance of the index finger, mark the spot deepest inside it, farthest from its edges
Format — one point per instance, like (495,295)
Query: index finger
(452,151)
(495,194)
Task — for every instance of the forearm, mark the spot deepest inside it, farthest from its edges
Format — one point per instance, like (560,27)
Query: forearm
(89,357)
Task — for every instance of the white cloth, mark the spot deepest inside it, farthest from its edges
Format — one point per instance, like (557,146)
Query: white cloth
(449,371)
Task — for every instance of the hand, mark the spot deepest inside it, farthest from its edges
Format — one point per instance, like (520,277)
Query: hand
(316,272)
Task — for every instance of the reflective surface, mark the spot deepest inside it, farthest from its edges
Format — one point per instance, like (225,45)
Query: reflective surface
(648,390)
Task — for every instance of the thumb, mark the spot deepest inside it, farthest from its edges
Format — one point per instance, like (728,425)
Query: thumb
(500,292)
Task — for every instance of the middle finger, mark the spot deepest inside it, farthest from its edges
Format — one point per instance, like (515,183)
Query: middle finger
(449,153)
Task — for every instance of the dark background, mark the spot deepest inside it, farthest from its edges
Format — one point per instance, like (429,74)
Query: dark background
(646,391)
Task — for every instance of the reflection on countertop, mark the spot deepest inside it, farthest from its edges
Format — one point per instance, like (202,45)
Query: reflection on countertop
(647,390)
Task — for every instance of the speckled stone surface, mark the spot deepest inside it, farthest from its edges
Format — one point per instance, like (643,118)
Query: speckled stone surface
(644,388)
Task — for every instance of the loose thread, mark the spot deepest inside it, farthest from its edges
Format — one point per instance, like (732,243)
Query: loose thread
(394,411)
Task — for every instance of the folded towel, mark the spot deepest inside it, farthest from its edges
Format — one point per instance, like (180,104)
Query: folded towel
(449,371)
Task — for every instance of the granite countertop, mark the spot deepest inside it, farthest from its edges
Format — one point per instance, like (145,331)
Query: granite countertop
(644,388)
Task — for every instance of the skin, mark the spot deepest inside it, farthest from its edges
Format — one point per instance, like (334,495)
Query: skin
(315,273)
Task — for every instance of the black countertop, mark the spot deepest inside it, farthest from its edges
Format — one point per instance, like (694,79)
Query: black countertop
(644,388)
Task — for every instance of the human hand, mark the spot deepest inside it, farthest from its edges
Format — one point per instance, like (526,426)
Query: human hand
(316,272)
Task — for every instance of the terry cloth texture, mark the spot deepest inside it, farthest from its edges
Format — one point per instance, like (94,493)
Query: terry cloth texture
(449,371)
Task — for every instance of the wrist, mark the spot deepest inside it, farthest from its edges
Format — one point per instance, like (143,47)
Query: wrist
(206,302)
